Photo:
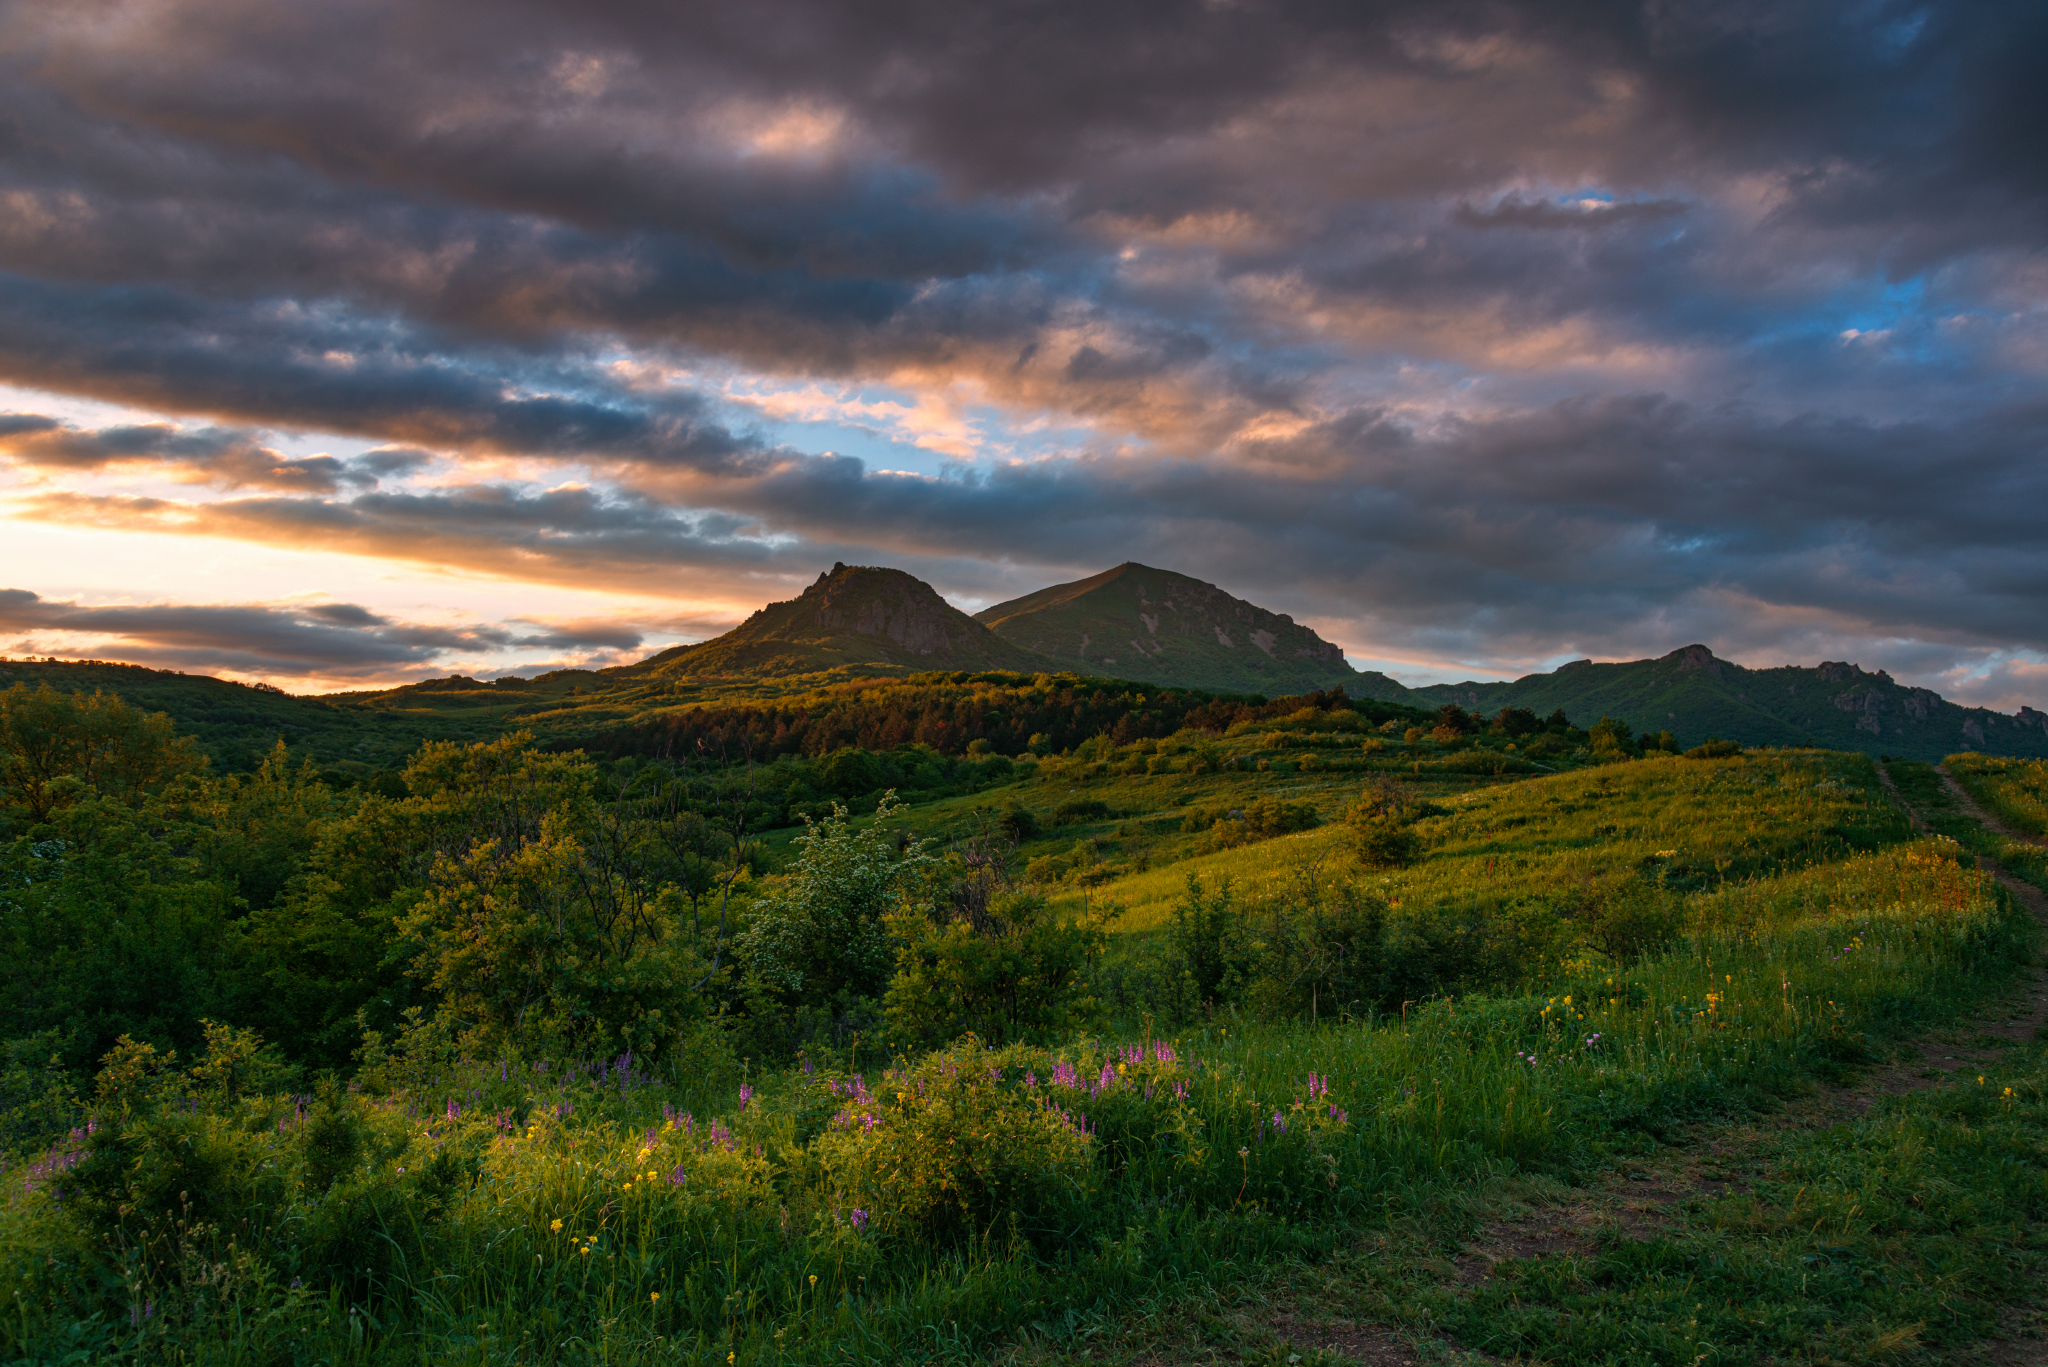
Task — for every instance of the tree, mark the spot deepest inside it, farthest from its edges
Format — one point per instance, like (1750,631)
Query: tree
(1452,723)
(824,931)
(57,747)
(1516,722)
(1613,739)
(550,913)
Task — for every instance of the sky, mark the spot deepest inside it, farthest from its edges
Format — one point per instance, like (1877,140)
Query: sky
(351,343)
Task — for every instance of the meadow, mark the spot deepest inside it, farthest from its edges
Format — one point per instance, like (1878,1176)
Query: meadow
(1771,922)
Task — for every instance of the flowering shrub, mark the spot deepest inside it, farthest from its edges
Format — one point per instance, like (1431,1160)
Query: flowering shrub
(950,1145)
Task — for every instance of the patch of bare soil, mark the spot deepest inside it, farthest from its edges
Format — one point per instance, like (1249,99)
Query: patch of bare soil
(1362,1343)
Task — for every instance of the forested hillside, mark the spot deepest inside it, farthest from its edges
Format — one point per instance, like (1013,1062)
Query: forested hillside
(1694,695)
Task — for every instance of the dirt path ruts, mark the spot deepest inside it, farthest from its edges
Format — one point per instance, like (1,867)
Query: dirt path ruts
(1971,809)
(1638,1203)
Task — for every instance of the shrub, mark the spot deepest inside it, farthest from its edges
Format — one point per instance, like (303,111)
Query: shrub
(1017,821)
(823,931)
(1714,748)
(1385,842)
(1079,811)
(1633,922)
(1612,739)
(950,1146)
(1382,822)
(1205,942)
(1019,976)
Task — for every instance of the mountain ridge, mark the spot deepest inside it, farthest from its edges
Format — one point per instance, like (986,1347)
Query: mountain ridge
(850,615)
(1693,693)
(1159,626)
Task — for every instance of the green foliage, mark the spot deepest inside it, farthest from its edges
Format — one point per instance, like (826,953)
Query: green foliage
(956,1146)
(1383,826)
(1612,739)
(1079,811)
(1262,818)
(1712,748)
(2012,790)
(57,749)
(1632,921)
(824,931)
(1018,972)
(38,1093)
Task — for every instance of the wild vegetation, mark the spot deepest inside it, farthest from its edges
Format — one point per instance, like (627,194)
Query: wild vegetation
(539,1056)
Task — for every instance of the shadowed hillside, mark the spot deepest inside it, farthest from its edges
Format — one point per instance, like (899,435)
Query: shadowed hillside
(1693,694)
(1166,628)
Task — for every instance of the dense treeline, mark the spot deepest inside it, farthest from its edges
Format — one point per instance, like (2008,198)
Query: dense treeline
(958,713)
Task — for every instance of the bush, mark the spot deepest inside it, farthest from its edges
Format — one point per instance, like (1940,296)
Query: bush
(1385,842)
(1017,821)
(1633,922)
(1020,976)
(1714,749)
(1080,811)
(1383,822)
(951,1146)
(1205,942)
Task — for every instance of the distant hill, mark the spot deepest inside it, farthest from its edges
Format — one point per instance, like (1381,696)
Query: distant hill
(853,615)
(1137,622)
(1693,694)
(237,724)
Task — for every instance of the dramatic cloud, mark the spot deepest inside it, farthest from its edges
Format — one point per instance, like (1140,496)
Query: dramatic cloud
(1480,335)
(322,640)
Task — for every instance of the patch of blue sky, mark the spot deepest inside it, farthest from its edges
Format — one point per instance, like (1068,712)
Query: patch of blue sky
(893,429)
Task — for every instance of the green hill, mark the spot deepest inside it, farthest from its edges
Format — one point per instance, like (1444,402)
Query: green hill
(236,724)
(854,615)
(1693,694)
(1165,628)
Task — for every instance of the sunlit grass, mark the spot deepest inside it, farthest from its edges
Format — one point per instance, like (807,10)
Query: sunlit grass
(797,1223)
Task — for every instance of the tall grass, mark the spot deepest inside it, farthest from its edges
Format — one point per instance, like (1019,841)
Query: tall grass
(1688,823)
(2013,790)
(492,1212)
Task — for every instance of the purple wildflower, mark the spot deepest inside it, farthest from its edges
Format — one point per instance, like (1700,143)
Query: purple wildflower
(860,1220)
(746,1095)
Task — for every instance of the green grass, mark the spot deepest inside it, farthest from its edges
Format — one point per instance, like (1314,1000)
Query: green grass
(1818,935)
(1691,823)
(2013,790)
(1921,786)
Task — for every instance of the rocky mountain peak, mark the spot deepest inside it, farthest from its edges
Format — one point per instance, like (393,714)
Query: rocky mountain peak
(1696,657)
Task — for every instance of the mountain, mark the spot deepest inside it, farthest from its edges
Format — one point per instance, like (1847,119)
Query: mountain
(1136,622)
(853,615)
(1693,694)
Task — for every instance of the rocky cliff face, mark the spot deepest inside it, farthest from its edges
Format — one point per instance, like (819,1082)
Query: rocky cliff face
(888,604)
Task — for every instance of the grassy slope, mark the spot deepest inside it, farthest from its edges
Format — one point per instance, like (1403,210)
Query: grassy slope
(1908,1226)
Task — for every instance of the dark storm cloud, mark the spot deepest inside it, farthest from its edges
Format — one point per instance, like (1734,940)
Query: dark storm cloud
(329,639)
(231,458)
(1485,327)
